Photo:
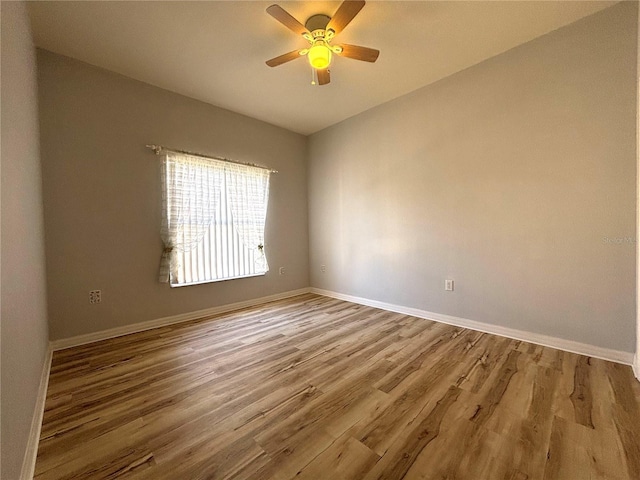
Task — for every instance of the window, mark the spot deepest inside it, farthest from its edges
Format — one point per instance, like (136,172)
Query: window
(213,221)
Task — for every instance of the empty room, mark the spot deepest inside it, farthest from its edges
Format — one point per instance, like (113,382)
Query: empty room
(319,240)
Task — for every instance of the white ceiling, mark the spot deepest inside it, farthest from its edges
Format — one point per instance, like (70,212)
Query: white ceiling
(215,51)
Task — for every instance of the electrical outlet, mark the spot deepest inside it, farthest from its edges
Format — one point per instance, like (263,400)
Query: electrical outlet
(323,268)
(281,271)
(448,285)
(95,296)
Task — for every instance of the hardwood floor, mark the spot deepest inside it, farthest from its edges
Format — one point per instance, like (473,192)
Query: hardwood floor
(316,388)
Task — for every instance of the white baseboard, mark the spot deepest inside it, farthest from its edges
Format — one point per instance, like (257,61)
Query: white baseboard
(636,365)
(29,461)
(537,338)
(162,322)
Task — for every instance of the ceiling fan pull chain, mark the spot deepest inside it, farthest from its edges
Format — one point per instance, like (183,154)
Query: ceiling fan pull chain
(314,76)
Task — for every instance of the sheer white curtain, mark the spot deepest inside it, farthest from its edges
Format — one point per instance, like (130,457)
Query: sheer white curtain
(248,195)
(191,194)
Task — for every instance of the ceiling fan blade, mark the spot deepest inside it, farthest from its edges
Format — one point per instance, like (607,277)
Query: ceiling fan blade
(345,14)
(323,77)
(359,53)
(287,57)
(280,14)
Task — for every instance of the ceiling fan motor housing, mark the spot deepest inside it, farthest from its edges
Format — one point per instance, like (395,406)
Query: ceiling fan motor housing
(317,22)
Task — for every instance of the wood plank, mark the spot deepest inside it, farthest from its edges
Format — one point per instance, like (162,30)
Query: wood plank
(344,458)
(397,462)
(311,387)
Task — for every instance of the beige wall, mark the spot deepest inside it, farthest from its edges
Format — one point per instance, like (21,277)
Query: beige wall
(23,298)
(102,196)
(636,360)
(507,177)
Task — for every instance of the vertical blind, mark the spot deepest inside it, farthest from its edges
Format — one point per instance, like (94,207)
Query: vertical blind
(214,215)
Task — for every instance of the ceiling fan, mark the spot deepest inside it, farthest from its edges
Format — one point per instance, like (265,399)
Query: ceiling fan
(319,31)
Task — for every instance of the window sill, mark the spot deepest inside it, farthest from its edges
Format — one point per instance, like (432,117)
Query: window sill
(177,285)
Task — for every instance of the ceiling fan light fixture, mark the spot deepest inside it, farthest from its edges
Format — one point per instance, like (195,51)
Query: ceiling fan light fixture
(319,55)
(319,30)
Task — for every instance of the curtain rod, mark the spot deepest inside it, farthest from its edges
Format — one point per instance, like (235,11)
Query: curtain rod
(159,148)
